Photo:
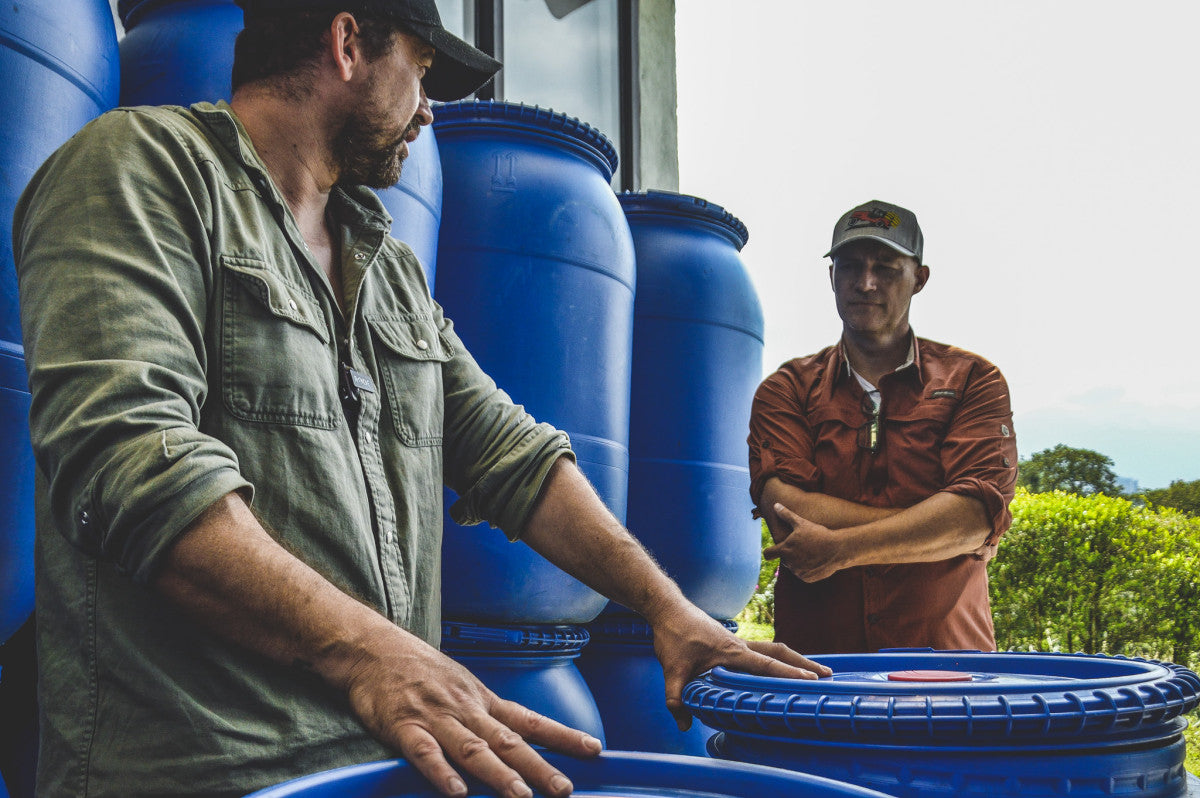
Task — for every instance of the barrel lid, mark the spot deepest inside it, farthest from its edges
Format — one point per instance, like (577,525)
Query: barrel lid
(1008,695)
(609,775)
(476,114)
(670,203)
(464,638)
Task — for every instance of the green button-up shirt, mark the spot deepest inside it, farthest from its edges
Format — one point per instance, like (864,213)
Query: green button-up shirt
(183,343)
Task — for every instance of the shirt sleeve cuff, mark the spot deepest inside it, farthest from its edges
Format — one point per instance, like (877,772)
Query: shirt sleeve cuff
(995,504)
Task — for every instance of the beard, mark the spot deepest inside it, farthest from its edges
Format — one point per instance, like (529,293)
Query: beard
(369,152)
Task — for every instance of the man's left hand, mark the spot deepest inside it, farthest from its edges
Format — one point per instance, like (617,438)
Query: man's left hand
(811,552)
(688,643)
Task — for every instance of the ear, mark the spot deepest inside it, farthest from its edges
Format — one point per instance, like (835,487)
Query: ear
(922,278)
(344,49)
(831,276)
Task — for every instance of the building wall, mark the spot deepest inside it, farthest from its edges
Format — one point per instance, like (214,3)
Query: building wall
(658,136)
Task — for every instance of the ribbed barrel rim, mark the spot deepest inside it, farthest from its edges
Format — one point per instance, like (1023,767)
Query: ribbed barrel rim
(468,114)
(670,203)
(1136,695)
(460,637)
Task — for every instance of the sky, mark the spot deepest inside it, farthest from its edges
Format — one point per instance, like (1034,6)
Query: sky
(1049,152)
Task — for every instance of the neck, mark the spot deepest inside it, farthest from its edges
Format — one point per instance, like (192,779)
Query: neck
(873,356)
(293,145)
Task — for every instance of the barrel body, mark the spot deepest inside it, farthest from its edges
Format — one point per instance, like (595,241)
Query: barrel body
(178,52)
(532,665)
(536,268)
(60,67)
(697,360)
(16,495)
(963,724)
(610,774)
(626,680)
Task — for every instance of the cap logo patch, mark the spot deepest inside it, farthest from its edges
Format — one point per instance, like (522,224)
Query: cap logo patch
(874,218)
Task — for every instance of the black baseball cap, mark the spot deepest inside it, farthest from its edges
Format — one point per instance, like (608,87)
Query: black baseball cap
(882,221)
(458,69)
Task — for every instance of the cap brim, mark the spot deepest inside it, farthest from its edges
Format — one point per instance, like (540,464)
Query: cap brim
(458,68)
(852,236)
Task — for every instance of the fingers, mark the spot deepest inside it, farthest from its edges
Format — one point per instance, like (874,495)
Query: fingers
(544,731)
(786,515)
(789,656)
(495,754)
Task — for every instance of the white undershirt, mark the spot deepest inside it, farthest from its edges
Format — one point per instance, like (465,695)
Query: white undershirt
(871,391)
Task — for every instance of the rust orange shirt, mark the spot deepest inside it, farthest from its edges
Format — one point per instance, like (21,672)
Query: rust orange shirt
(945,424)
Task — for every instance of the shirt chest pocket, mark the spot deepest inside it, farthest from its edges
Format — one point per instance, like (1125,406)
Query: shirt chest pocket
(277,364)
(410,354)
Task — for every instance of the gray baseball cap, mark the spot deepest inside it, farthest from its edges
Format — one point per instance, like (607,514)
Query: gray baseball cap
(882,221)
(458,68)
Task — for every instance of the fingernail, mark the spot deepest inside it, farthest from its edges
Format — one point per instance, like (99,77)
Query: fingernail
(456,786)
(519,789)
(561,784)
(592,744)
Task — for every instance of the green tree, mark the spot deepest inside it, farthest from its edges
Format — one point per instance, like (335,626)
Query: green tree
(1068,469)
(1183,496)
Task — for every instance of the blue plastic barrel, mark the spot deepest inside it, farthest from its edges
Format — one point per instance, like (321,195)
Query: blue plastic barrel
(536,268)
(697,360)
(177,52)
(959,724)
(59,62)
(16,494)
(626,679)
(608,775)
(532,665)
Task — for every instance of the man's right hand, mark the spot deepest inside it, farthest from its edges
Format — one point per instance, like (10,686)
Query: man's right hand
(231,576)
(434,712)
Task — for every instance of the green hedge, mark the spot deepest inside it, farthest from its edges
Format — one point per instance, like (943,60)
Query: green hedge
(1098,574)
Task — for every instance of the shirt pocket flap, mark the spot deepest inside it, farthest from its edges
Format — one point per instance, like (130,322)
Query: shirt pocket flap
(280,297)
(414,339)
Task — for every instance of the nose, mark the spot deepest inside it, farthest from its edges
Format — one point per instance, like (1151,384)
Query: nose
(424,115)
(866,281)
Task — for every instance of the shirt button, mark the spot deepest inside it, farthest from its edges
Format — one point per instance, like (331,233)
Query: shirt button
(873,618)
(359,256)
(84,518)
(390,538)
(422,344)
(367,437)
(292,304)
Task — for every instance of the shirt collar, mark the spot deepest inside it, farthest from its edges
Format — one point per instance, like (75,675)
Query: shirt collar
(913,359)
(359,202)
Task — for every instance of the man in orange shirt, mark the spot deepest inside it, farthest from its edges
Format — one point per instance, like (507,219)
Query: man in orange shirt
(883,464)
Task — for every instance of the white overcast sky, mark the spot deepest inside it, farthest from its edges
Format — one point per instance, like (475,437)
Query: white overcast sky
(1049,150)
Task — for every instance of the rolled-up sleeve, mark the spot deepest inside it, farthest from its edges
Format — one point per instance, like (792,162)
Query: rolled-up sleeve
(780,440)
(979,453)
(114,275)
(497,455)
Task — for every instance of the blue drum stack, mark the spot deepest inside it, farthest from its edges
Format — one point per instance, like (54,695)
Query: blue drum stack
(60,66)
(697,359)
(536,268)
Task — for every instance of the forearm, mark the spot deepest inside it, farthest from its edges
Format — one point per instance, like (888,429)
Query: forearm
(941,527)
(573,529)
(229,574)
(828,511)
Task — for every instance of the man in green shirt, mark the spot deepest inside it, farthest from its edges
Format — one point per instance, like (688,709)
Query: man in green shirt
(215,318)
